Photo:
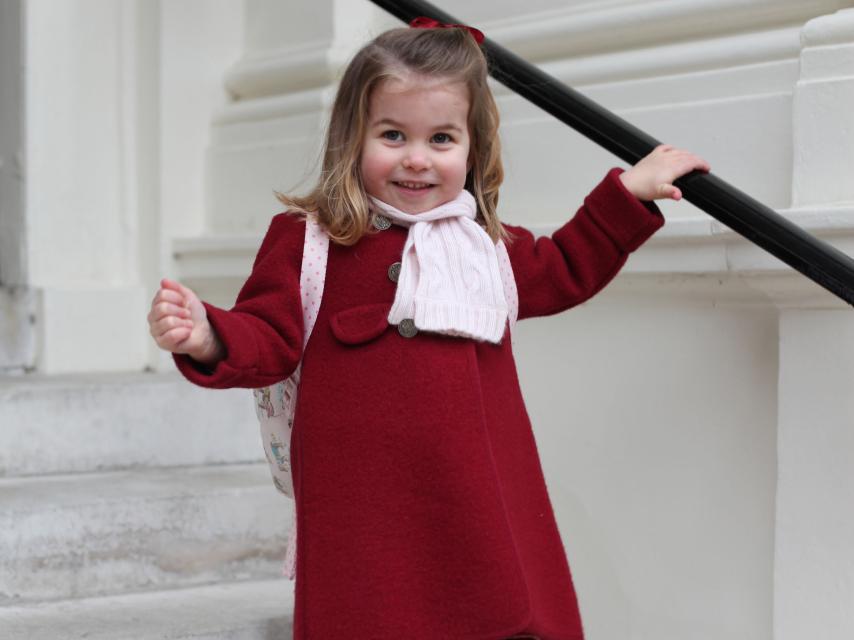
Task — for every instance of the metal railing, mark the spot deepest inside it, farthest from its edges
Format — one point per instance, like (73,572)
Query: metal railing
(814,258)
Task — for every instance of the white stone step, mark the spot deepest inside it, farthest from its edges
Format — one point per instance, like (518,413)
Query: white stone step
(261,610)
(69,536)
(91,422)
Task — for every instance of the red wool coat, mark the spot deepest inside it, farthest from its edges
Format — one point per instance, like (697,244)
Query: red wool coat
(421,505)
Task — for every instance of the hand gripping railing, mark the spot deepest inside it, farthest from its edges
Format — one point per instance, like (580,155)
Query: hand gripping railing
(824,264)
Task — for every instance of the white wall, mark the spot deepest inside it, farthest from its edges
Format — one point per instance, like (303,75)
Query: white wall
(656,423)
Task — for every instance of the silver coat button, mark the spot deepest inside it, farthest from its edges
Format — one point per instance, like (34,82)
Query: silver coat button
(394,272)
(381,222)
(407,328)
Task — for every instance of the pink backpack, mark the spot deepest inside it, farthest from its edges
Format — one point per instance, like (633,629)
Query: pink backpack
(275,405)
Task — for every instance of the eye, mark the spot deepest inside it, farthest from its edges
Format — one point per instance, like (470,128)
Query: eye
(442,138)
(392,135)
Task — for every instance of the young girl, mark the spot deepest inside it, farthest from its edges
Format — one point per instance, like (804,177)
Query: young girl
(421,506)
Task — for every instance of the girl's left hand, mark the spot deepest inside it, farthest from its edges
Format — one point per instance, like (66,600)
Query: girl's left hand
(652,177)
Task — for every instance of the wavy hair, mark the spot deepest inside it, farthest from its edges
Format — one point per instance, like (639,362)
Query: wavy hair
(339,196)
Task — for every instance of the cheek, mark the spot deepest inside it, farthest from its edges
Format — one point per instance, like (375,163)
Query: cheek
(374,164)
(462,167)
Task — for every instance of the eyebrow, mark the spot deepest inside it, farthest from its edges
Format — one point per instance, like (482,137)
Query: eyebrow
(394,123)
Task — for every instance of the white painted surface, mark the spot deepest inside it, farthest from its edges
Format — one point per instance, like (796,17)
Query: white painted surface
(655,421)
(814,563)
(199,39)
(74,161)
(814,557)
(824,97)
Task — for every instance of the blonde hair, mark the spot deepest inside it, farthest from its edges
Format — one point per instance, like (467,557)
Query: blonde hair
(339,196)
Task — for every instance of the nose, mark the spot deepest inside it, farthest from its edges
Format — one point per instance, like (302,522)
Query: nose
(416,159)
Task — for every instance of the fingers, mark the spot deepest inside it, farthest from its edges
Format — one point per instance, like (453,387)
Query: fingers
(163,325)
(669,191)
(172,339)
(691,161)
(170,320)
(166,302)
(687,161)
(165,309)
(168,293)
(176,286)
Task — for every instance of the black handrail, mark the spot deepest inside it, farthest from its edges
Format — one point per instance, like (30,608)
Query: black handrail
(816,259)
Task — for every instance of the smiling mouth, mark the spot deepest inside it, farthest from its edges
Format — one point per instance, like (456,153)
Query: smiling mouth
(413,185)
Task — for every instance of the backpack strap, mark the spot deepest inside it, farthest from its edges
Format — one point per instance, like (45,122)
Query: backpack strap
(313,273)
(311,281)
(510,291)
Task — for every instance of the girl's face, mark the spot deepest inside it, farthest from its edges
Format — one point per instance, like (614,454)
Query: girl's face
(416,147)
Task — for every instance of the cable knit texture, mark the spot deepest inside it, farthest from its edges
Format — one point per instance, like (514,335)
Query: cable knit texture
(449,280)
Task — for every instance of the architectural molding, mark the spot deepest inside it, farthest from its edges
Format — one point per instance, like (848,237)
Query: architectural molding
(714,52)
(836,28)
(281,71)
(262,108)
(570,31)
(645,39)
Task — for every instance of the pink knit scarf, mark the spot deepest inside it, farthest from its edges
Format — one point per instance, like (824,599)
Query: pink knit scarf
(449,275)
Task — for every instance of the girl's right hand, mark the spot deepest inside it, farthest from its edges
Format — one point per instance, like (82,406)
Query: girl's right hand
(178,321)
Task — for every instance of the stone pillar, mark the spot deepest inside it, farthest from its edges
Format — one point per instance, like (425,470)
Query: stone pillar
(814,557)
(814,553)
(85,185)
(119,97)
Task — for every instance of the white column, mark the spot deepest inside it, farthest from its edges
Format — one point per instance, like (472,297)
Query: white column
(83,184)
(814,556)
(119,99)
(814,538)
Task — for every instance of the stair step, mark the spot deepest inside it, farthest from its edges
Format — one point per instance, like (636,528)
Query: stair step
(70,536)
(259,610)
(95,422)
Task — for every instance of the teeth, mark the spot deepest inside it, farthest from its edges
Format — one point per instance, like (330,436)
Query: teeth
(413,185)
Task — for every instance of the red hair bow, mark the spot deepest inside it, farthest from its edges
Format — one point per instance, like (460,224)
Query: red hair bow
(423,22)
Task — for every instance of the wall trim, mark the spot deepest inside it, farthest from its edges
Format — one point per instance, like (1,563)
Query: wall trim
(571,31)
(281,71)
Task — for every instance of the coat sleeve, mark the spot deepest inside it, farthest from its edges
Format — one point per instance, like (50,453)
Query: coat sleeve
(263,332)
(579,259)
